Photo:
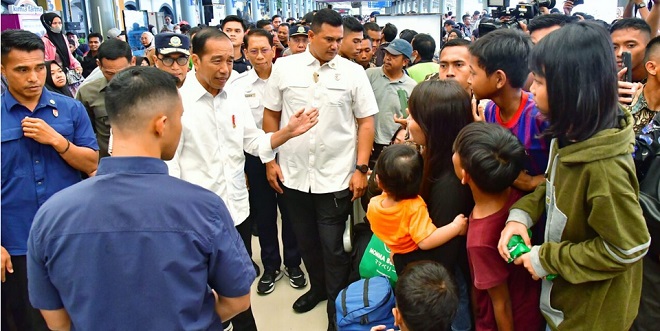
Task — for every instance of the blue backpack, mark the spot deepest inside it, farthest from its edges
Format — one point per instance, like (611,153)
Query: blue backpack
(365,303)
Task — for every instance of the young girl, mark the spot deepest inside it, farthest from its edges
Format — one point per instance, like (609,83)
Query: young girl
(56,79)
(595,234)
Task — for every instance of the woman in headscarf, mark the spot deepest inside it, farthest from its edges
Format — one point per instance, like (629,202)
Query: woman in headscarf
(147,40)
(56,79)
(57,47)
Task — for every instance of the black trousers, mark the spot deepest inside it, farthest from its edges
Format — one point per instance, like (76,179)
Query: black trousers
(263,211)
(17,312)
(245,320)
(319,221)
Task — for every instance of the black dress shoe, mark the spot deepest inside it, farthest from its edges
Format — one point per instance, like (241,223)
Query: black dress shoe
(307,302)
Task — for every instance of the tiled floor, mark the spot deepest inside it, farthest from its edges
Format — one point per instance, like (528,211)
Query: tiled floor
(273,312)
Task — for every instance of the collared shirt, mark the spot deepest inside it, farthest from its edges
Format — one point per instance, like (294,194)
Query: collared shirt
(33,172)
(242,64)
(216,132)
(135,249)
(322,160)
(92,96)
(252,88)
(392,99)
(641,112)
(421,70)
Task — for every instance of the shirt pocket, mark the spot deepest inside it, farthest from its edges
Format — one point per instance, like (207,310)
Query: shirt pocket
(296,95)
(337,94)
(15,156)
(65,129)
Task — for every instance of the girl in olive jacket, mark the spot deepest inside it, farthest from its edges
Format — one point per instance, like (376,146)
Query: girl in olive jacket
(595,234)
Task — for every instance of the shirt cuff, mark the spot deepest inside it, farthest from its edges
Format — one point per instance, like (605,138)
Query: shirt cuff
(536,262)
(520,216)
(266,153)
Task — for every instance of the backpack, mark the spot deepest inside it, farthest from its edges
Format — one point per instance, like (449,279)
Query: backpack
(365,303)
(647,163)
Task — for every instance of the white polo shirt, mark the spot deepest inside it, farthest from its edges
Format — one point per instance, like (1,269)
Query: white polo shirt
(216,131)
(322,159)
(252,88)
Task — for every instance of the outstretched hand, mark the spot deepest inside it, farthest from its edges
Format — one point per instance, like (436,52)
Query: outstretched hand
(301,121)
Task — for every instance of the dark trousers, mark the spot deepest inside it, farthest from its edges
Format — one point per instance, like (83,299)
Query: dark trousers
(245,320)
(263,211)
(319,221)
(17,312)
(378,148)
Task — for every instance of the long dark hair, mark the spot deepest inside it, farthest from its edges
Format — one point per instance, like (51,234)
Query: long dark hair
(57,39)
(50,84)
(441,109)
(581,83)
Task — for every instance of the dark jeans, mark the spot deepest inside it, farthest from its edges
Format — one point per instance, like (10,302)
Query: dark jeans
(263,211)
(319,221)
(17,312)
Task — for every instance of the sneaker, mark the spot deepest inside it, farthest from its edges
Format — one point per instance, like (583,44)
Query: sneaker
(267,281)
(296,277)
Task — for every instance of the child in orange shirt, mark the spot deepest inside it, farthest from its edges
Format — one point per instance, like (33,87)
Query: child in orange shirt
(399,216)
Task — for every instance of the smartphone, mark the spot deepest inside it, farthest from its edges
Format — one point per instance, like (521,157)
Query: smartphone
(627,63)
(578,2)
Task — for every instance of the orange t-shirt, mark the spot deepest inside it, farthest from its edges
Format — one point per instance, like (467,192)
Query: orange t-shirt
(402,226)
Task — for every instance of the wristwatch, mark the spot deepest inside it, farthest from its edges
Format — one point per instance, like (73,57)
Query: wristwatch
(363,168)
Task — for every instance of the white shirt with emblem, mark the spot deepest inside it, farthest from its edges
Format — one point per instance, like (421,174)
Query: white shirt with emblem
(321,160)
(252,88)
(216,131)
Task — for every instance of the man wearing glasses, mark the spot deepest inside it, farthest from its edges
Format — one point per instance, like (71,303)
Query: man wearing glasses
(172,54)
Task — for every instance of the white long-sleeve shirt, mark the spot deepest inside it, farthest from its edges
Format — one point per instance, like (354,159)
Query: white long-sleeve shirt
(216,131)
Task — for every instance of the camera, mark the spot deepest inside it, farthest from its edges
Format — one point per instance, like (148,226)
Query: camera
(509,18)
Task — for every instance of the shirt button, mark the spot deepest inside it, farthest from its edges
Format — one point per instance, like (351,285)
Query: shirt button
(37,161)
(38,183)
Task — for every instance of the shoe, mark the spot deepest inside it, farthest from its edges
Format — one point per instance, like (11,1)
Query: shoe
(307,302)
(267,281)
(296,277)
(256,268)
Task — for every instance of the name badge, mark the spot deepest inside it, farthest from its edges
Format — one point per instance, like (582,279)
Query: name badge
(250,95)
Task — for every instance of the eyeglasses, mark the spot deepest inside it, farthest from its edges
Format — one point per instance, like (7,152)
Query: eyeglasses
(169,61)
(264,51)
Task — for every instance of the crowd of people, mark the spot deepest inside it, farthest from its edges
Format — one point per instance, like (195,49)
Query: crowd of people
(132,185)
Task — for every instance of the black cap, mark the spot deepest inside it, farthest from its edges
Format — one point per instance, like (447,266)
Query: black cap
(168,43)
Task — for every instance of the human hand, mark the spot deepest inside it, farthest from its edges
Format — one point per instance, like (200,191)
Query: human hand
(400,120)
(79,70)
(277,42)
(478,111)
(461,222)
(512,228)
(526,261)
(380,328)
(526,182)
(568,7)
(358,184)
(627,90)
(41,132)
(273,174)
(301,121)
(6,263)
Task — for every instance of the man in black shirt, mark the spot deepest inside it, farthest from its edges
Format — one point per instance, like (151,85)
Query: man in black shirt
(88,63)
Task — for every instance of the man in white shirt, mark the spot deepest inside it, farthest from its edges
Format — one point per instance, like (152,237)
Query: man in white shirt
(260,51)
(217,128)
(323,170)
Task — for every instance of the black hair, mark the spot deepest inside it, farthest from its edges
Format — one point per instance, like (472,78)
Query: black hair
(258,33)
(465,16)
(371,26)
(454,43)
(290,19)
(365,36)
(113,49)
(476,12)
(441,108)
(351,24)
(396,133)
(133,91)
(139,59)
(399,170)
(632,23)
(233,18)
(285,24)
(651,47)
(424,44)
(457,32)
(199,41)
(583,15)
(274,17)
(327,16)
(389,32)
(185,28)
(408,35)
(491,155)
(193,31)
(550,20)
(20,40)
(426,297)
(581,83)
(506,50)
(262,23)
(95,35)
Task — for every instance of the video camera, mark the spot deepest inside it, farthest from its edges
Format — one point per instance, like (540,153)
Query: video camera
(509,18)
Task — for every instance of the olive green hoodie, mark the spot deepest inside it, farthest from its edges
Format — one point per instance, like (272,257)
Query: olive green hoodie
(595,233)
